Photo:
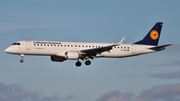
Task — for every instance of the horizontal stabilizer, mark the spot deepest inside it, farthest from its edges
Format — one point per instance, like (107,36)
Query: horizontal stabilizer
(159,48)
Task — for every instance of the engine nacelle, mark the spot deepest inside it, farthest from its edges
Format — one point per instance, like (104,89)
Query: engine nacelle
(72,55)
(57,58)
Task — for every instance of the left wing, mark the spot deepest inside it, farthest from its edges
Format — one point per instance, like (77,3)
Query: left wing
(91,53)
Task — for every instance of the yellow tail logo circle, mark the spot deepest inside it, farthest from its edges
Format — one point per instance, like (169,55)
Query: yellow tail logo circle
(154,35)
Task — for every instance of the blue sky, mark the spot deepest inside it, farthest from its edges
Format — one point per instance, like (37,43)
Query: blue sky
(151,77)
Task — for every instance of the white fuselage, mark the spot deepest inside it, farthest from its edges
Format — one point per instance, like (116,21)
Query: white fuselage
(49,48)
(61,51)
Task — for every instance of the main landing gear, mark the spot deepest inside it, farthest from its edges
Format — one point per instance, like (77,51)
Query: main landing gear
(87,62)
(78,63)
(22,58)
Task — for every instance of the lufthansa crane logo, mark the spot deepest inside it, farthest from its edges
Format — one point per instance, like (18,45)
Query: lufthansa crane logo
(154,35)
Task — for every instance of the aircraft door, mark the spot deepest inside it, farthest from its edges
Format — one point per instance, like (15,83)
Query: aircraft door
(28,45)
(132,48)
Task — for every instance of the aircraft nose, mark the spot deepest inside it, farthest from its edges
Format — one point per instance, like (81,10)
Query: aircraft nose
(7,50)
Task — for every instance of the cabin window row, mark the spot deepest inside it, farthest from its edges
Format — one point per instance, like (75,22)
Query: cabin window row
(77,46)
(67,45)
(122,47)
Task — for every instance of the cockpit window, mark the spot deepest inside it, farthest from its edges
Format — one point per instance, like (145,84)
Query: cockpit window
(16,44)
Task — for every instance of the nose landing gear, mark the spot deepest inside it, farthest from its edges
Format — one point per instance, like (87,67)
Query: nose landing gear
(22,58)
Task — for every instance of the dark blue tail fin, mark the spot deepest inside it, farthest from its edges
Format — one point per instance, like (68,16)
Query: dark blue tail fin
(152,38)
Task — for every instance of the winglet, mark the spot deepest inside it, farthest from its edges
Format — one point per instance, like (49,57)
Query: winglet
(120,42)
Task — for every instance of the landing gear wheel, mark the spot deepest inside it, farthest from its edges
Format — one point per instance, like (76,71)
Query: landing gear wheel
(21,61)
(78,64)
(87,62)
(22,56)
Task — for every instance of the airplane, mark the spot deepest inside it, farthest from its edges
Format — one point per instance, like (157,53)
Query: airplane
(60,51)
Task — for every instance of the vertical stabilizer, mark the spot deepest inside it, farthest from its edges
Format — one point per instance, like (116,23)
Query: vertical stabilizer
(152,38)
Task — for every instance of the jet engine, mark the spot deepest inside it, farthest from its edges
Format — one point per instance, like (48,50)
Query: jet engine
(57,58)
